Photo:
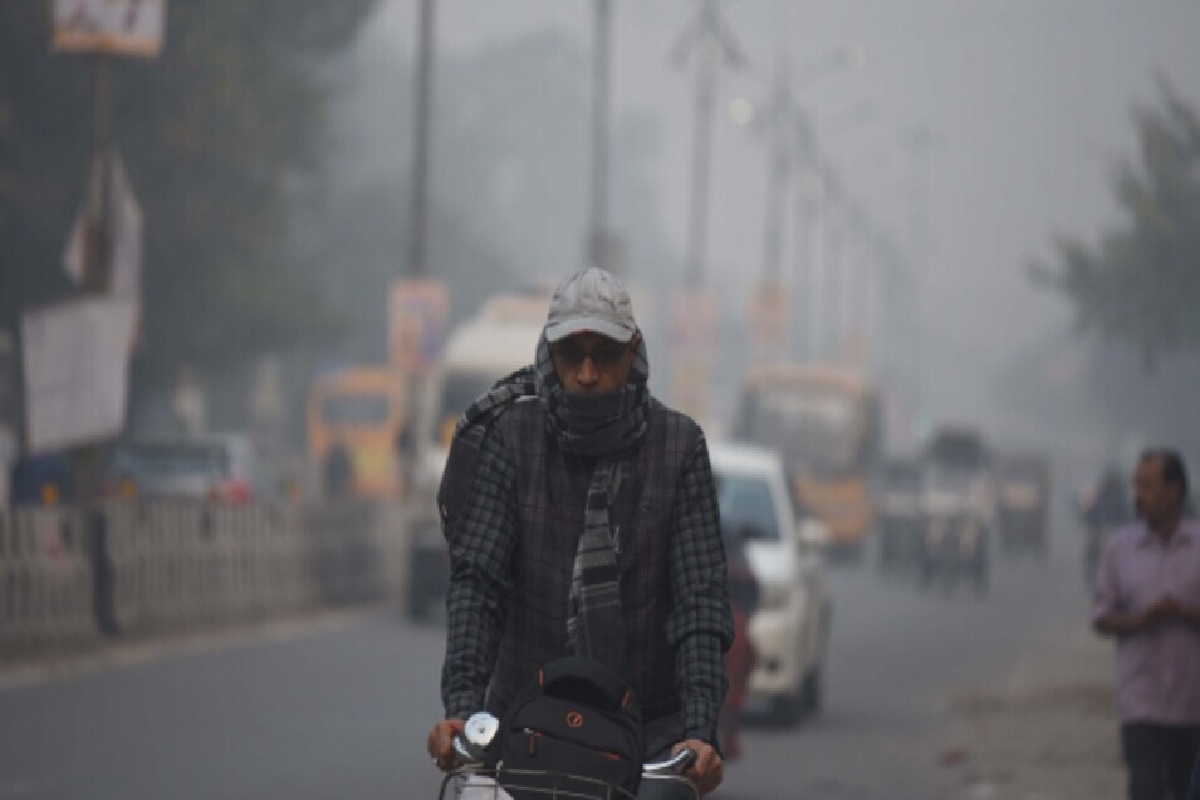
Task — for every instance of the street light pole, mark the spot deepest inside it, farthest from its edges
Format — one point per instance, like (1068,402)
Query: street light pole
(599,247)
(779,165)
(97,266)
(97,257)
(713,43)
(418,262)
(921,143)
(706,71)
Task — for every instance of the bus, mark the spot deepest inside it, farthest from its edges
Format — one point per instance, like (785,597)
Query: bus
(363,409)
(825,421)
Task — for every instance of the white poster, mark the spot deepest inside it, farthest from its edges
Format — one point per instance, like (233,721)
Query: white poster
(110,27)
(76,371)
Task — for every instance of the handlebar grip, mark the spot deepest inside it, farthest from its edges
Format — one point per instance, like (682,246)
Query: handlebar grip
(675,764)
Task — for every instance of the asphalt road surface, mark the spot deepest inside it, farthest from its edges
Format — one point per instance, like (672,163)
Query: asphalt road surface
(341,711)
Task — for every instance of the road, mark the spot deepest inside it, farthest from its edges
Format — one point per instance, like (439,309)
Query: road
(341,711)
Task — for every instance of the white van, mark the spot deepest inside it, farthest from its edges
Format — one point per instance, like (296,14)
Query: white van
(500,339)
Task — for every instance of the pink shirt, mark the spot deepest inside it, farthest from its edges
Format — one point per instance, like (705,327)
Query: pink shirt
(1158,671)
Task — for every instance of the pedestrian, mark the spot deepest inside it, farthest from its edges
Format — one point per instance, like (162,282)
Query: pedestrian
(564,476)
(337,471)
(1147,596)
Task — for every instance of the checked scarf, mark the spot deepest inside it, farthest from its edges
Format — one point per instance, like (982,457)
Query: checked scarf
(605,429)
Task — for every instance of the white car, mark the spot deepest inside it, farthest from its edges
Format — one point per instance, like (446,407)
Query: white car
(790,627)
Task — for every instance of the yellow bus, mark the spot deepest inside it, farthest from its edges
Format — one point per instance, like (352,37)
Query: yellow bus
(825,421)
(363,409)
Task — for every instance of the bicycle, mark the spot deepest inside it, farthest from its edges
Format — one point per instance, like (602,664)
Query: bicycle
(473,781)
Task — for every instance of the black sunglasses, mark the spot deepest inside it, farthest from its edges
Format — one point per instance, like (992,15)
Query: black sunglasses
(603,355)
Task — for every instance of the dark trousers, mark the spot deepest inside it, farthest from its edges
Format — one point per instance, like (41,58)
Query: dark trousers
(1160,759)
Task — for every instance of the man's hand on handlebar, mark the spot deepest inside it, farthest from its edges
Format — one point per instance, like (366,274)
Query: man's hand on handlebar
(440,743)
(706,771)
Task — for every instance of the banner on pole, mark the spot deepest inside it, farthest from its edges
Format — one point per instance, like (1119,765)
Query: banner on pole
(417,312)
(109,27)
(125,233)
(76,370)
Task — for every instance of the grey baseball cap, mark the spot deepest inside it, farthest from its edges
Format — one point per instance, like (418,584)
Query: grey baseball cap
(592,300)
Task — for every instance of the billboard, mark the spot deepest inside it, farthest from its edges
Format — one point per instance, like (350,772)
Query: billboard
(76,357)
(109,27)
(417,313)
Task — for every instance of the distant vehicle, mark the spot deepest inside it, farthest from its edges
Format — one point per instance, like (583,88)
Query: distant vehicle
(43,479)
(826,422)
(790,628)
(899,513)
(222,468)
(498,340)
(1103,507)
(958,506)
(362,409)
(1024,498)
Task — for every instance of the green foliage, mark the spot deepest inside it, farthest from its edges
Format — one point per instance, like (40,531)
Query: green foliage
(1139,283)
(222,134)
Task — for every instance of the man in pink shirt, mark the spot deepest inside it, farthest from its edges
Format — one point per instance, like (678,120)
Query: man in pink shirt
(1148,599)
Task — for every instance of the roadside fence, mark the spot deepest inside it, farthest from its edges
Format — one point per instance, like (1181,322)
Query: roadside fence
(154,568)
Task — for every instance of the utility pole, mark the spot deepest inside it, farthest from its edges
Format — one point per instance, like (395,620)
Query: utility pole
(806,208)
(97,255)
(712,41)
(97,272)
(418,261)
(600,250)
(921,143)
(779,167)
(770,313)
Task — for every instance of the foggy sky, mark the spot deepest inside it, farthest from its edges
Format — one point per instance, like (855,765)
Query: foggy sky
(1029,99)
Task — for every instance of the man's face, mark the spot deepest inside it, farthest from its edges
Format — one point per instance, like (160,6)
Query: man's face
(591,364)
(1155,498)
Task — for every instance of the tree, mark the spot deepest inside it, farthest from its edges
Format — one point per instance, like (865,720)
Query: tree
(1138,284)
(219,134)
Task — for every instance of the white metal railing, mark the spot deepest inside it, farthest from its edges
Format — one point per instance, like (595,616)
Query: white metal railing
(45,581)
(150,568)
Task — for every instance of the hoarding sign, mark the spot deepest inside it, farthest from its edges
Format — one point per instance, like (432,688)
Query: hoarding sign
(76,369)
(417,312)
(109,27)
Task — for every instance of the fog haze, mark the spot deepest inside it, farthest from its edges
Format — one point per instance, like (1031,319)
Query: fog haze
(1029,104)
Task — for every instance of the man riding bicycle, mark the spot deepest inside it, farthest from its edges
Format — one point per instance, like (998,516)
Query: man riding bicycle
(581,518)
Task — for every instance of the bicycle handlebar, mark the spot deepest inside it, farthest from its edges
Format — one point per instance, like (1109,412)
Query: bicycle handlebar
(673,765)
(676,764)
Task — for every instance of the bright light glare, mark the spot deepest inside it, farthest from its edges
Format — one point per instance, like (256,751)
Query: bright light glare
(741,111)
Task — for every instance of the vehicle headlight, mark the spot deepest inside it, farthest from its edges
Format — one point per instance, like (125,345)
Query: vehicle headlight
(773,596)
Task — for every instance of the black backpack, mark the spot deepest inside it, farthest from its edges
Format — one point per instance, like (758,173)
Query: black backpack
(578,719)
